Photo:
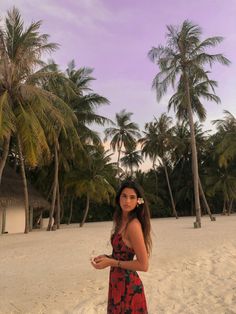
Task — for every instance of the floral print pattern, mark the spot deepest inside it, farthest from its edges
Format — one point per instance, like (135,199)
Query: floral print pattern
(126,292)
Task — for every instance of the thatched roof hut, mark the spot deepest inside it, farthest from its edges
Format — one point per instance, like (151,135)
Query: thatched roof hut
(12,193)
(12,211)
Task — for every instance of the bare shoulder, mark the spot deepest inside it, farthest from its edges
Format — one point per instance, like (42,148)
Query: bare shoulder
(134,227)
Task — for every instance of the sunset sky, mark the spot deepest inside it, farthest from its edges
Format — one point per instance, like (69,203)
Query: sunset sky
(114,37)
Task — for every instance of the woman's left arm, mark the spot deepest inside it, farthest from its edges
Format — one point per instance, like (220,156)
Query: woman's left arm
(135,236)
(136,239)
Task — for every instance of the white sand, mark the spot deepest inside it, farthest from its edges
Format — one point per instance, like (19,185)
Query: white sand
(191,270)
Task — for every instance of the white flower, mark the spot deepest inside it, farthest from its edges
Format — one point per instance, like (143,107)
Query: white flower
(140,201)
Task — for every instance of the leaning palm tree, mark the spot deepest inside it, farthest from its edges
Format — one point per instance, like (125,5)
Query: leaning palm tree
(123,134)
(185,55)
(198,89)
(181,158)
(62,137)
(24,104)
(72,89)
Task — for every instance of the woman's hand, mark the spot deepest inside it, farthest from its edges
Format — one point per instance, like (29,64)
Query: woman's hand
(101,262)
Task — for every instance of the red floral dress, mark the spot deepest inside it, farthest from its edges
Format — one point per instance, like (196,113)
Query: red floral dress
(126,292)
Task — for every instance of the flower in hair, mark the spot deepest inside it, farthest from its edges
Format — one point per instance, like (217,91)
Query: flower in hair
(140,201)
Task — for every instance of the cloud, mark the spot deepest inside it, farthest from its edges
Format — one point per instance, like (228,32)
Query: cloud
(86,14)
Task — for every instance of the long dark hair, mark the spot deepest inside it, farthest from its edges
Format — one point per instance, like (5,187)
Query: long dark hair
(141,212)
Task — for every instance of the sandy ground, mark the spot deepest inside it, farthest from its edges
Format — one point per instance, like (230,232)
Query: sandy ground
(191,270)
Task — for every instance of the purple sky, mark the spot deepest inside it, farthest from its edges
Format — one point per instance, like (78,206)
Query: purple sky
(114,37)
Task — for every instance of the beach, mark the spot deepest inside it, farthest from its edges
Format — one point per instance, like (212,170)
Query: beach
(191,270)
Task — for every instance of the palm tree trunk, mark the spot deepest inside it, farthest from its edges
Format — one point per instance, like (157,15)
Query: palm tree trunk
(58,207)
(230,207)
(170,191)
(4,211)
(224,207)
(197,224)
(71,210)
(6,144)
(54,193)
(62,209)
(192,206)
(118,162)
(62,196)
(156,180)
(26,194)
(31,218)
(86,211)
(205,201)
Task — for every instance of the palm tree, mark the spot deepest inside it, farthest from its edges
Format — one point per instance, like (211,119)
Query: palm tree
(181,158)
(227,130)
(123,134)
(65,141)
(198,89)
(132,159)
(6,115)
(148,145)
(185,56)
(24,104)
(84,102)
(157,144)
(222,181)
(221,178)
(91,178)
(62,135)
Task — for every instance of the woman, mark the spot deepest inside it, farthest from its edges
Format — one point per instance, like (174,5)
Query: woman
(130,237)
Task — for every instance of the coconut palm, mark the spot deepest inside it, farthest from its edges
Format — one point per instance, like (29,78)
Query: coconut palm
(222,181)
(185,55)
(181,157)
(84,102)
(71,89)
(148,145)
(198,88)
(24,104)
(227,130)
(131,159)
(221,171)
(157,144)
(123,134)
(91,178)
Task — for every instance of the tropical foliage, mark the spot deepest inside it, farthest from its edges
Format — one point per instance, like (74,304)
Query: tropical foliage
(48,121)
(184,59)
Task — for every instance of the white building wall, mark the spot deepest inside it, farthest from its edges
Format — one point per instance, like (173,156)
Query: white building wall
(15,219)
